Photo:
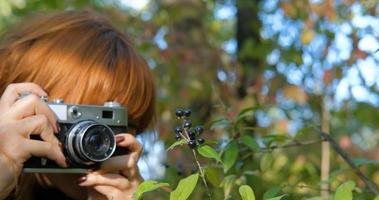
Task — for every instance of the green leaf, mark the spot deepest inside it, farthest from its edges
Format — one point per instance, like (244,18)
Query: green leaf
(220,123)
(272,192)
(208,152)
(214,175)
(314,198)
(250,142)
(177,143)
(246,192)
(245,113)
(184,188)
(377,198)
(277,198)
(269,139)
(230,155)
(247,110)
(148,186)
(364,161)
(266,162)
(228,183)
(345,191)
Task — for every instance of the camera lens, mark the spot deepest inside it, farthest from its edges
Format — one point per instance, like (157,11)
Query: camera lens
(96,142)
(89,142)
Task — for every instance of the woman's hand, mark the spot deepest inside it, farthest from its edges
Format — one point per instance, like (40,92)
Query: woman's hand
(19,119)
(118,177)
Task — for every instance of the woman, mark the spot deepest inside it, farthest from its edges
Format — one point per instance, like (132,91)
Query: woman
(80,57)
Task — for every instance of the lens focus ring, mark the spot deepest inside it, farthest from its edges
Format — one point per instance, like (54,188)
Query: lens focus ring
(89,142)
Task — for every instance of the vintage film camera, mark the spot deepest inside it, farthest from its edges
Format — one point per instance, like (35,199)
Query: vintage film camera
(87,133)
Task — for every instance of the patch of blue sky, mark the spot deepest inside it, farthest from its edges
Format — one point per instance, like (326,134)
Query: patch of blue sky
(221,75)
(317,46)
(135,4)
(362,94)
(230,46)
(159,38)
(269,6)
(369,70)
(345,28)
(317,71)
(342,91)
(368,43)
(309,83)
(332,56)
(263,119)
(225,11)
(316,1)
(352,76)
(151,162)
(151,62)
(294,75)
(272,23)
(294,126)
(273,57)
(277,114)
(268,74)
(344,46)
(307,58)
(281,68)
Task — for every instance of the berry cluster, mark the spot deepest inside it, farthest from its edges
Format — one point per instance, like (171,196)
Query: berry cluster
(186,131)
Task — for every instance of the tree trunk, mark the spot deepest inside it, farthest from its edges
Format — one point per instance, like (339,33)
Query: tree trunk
(248,34)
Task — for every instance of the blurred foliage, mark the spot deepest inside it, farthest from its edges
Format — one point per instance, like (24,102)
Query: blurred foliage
(258,91)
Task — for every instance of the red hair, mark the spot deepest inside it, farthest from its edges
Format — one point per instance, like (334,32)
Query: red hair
(80,57)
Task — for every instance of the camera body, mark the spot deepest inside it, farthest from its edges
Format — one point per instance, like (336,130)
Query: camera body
(87,133)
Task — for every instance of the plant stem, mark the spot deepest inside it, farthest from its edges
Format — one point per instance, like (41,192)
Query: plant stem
(325,152)
(202,174)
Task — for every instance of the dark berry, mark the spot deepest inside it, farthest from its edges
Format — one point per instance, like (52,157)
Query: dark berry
(192,144)
(187,124)
(199,129)
(187,112)
(178,130)
(179,113)
(200,141)
(178,137)
(192,134)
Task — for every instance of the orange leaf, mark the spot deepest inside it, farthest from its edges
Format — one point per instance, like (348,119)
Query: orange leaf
(307,36)
(295,93)
(328,77)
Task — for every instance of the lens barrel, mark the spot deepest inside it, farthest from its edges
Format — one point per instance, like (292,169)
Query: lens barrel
(90,142)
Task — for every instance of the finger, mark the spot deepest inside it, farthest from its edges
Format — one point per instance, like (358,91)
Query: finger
(127,164)
(124,164)
(96,195)
(114,180)
(13,91)
(32,105)
(109,192)
(119,163)
(44,149)
(128,141)
(38,125)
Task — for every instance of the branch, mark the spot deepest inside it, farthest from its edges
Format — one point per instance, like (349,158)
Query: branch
(371,185)
(297,144)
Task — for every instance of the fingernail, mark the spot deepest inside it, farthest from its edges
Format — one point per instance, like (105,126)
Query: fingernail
(119,139)
(82,179)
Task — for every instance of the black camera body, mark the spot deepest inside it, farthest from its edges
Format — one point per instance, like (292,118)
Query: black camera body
(87,133)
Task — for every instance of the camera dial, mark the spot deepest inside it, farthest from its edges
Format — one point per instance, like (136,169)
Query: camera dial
(112,104)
